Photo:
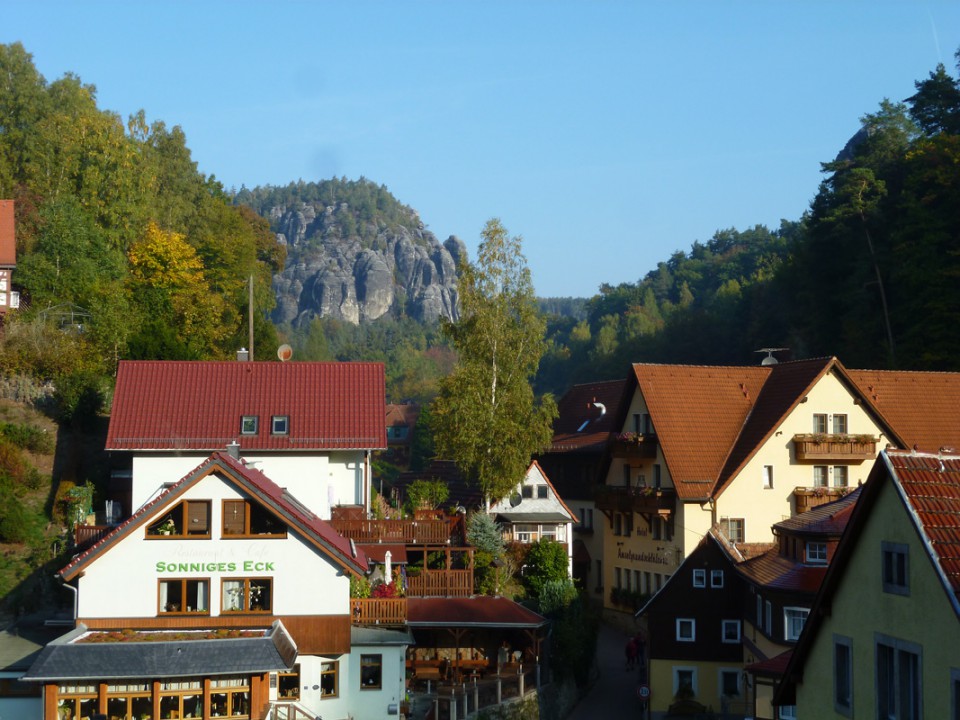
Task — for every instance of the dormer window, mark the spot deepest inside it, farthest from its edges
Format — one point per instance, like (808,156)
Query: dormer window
(248,425)
(280,425)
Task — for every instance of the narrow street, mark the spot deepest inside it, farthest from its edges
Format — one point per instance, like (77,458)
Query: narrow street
(615,693)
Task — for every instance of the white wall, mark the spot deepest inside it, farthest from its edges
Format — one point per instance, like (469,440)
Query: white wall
(124,581)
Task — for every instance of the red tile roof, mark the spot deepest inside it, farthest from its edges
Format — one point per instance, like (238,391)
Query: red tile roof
(827,519)
(772,667)
(8,237)
(776,572)
(476,611)
(921,406)
(163,405)
(259,486)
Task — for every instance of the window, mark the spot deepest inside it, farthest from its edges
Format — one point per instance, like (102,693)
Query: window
(820,476)
(626,475)
(793,620)
(843,675)
(371,672)
(733,528)
(77,701)
(686,630)
(242,517)
(646,424)
(841,476)
(280,425)
(759,618)
(699,578)
(229,696)
(617,578)
(895,568)
(525,532)
(129,700)
(716,578)
(184,698)
(730,683)
(788,712)
(248,425)
(628,524)
(288,683)
(768,619)
(526,491)
(617,524)
(246,595)
(586,518)
(542,492)
(328,679)
(768,477)
(899,692)
(816,553)
(191,519)
(730,631)
(820,423)
(184,595)
(656,476)
(685,680)
(636,423)
(840,424)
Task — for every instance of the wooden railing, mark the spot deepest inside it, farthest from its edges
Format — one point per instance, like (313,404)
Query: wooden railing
(379,611)
(634,445)
(807,498)
(405,532)
(443,583)
(648,500)
(837,448)
(86,535)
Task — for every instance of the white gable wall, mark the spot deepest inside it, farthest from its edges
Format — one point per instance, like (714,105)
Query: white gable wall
(124,581)
(760,507)
(317,480)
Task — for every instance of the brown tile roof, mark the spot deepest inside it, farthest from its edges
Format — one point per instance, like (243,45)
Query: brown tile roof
(776,572)
(259,486)
(587,414)
(772,667)
(476,611)
(920,406)
(164,405)
(827,519)
(698,413)
(8,237)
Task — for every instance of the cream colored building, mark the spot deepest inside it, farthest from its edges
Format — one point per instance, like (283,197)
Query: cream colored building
(742,447)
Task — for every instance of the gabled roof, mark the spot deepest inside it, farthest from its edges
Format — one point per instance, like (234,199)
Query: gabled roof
(928,486)
(921,406)
(535,509)
(187,405)
(274,498)
(8,237)
(698,413)
(586,416)
(827,519)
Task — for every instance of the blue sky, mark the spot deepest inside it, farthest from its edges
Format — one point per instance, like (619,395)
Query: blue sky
(607,134)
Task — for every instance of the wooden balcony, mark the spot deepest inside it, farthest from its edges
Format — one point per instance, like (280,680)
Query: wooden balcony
(822,447)
(86,535)
(807,498)
(634,445)
(440,583)
(644,500)
(379,611)
(398,532)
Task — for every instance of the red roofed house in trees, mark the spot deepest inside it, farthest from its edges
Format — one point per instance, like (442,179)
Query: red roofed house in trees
(8,258)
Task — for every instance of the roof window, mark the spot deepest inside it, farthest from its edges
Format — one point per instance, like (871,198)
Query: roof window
(248,425)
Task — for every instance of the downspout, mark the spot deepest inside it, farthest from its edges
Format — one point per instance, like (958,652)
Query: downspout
(367,480)
(76,597)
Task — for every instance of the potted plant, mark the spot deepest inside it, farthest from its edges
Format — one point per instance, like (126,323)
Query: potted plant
(167,527)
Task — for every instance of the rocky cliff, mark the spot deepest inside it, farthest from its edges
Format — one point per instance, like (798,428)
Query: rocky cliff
(342,266)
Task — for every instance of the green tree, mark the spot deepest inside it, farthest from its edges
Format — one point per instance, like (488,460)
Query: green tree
(486,417)
(546,562)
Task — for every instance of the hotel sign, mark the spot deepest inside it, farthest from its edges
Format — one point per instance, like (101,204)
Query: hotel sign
(245,566)
(647,557)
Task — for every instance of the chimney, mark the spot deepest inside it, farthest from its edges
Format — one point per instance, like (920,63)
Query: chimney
(243,355)
(233,450)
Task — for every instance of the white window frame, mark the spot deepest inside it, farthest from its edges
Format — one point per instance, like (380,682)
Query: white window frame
(843,706)
(716,578)
(787,712)
(812,553)
(841,476)
(724,626)
(791,614)
(699,578)
(683,624)
(729,671)
(280,425)
(692,669)
(821,476)
(249,425)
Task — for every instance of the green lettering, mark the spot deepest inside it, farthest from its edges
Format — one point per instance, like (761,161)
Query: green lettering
(269,566)
(247,565)
(231,567)
(160,567)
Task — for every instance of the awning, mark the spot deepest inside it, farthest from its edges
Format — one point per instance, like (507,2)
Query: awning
(68,659)
(476,611)
(545,518)
(376,552)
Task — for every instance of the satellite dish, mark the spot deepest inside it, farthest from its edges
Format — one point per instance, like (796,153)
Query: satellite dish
(284,352)
(515,499)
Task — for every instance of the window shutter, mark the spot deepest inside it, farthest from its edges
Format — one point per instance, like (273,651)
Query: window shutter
(233,517)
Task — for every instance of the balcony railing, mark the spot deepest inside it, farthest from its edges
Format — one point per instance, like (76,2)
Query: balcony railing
(440,583)
(808,498)
(646,500)
(634,445)
(835,448)
(401,532)
(379,611)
